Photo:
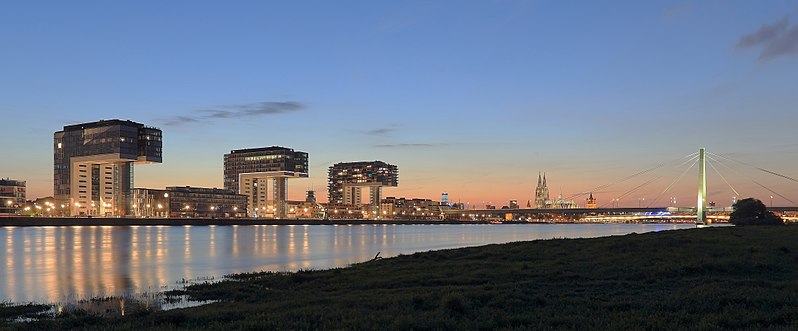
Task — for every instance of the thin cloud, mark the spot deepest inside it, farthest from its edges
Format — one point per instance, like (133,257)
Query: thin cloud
(764,34)
(407,145)
(236,111)
(381,131)
(677,10)
(777,39)
(786,44)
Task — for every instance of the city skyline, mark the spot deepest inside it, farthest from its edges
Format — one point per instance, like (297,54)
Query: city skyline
(470,99)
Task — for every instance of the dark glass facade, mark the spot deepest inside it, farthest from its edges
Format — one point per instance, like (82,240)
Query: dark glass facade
(268,159)
(93,164)
(367,173)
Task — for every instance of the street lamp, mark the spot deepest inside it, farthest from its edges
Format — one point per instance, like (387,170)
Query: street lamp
(771,201)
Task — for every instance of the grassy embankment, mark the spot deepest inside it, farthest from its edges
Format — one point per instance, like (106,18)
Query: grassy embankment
(716,278)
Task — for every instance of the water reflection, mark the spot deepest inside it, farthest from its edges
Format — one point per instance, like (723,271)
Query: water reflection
(57,264)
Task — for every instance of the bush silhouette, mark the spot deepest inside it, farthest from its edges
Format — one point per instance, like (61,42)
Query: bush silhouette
(751,211)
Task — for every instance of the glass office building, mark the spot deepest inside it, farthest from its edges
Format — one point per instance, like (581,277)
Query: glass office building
(262,175)
(93,164)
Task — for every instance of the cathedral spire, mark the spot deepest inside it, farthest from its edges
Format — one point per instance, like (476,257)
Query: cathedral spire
(544,179)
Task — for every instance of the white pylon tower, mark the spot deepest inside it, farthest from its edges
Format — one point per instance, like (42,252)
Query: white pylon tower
(701,205)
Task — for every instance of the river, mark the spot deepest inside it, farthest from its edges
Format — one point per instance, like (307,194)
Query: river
(57,264)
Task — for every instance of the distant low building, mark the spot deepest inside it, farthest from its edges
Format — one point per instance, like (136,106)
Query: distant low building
(562,203)
(415,208)
(12,195)
(187,201)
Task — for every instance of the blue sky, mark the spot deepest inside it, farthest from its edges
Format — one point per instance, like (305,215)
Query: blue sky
(470,97)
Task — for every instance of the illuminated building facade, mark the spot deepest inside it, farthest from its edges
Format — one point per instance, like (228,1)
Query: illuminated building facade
(187,201)
(542,200)
(252,171)
(12,195)
(591,202)
(93,164)
(346,180)
(416,208)
(541,193)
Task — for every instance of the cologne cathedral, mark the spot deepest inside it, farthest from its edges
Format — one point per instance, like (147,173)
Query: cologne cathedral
(542,200)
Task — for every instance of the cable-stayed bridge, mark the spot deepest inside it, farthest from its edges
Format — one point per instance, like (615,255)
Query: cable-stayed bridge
(700,213)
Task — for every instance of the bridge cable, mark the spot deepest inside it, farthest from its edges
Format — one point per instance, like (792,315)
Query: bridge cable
(774,192)
(754,181)
(721,176)
(758,168)
(601,187)
(633,189)
(672,183)
(738,173)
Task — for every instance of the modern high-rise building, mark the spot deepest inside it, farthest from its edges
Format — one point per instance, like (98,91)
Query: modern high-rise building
(93,164)
(12,195)
(348,178)
(251,172)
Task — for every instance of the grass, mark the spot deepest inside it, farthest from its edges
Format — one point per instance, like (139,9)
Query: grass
(710,279)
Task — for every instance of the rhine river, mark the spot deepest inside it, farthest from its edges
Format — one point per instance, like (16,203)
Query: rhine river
(57,264)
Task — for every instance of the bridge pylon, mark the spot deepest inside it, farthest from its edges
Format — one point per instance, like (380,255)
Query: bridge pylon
(701,205)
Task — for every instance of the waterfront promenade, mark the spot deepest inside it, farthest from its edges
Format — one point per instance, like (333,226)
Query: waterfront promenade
(130,221)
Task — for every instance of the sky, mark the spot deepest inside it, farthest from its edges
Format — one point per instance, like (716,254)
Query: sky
(473,98)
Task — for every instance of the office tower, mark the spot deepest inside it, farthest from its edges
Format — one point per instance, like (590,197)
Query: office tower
(93,164)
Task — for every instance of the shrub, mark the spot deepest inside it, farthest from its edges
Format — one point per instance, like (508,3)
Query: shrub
(751,211)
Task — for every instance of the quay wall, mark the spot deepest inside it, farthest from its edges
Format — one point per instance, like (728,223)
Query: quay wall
(124,221)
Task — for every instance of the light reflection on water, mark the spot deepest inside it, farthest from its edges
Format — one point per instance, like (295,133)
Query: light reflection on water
(57,264)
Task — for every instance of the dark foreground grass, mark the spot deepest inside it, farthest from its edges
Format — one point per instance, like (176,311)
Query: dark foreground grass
(715,278)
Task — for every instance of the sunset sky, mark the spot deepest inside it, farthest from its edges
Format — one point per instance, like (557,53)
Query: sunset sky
(474,98)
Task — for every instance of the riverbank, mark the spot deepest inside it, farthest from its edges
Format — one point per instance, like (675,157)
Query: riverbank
(129,221)
(710,278)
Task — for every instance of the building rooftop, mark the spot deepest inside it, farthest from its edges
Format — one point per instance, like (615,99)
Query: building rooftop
(193,189)
(357,163)
(104,123)
(11,182)
(262,149)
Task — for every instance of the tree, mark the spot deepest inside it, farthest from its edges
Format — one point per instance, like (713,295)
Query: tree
(751,211)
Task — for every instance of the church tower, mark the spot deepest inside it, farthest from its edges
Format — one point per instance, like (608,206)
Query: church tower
(541,192)
(591,202)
